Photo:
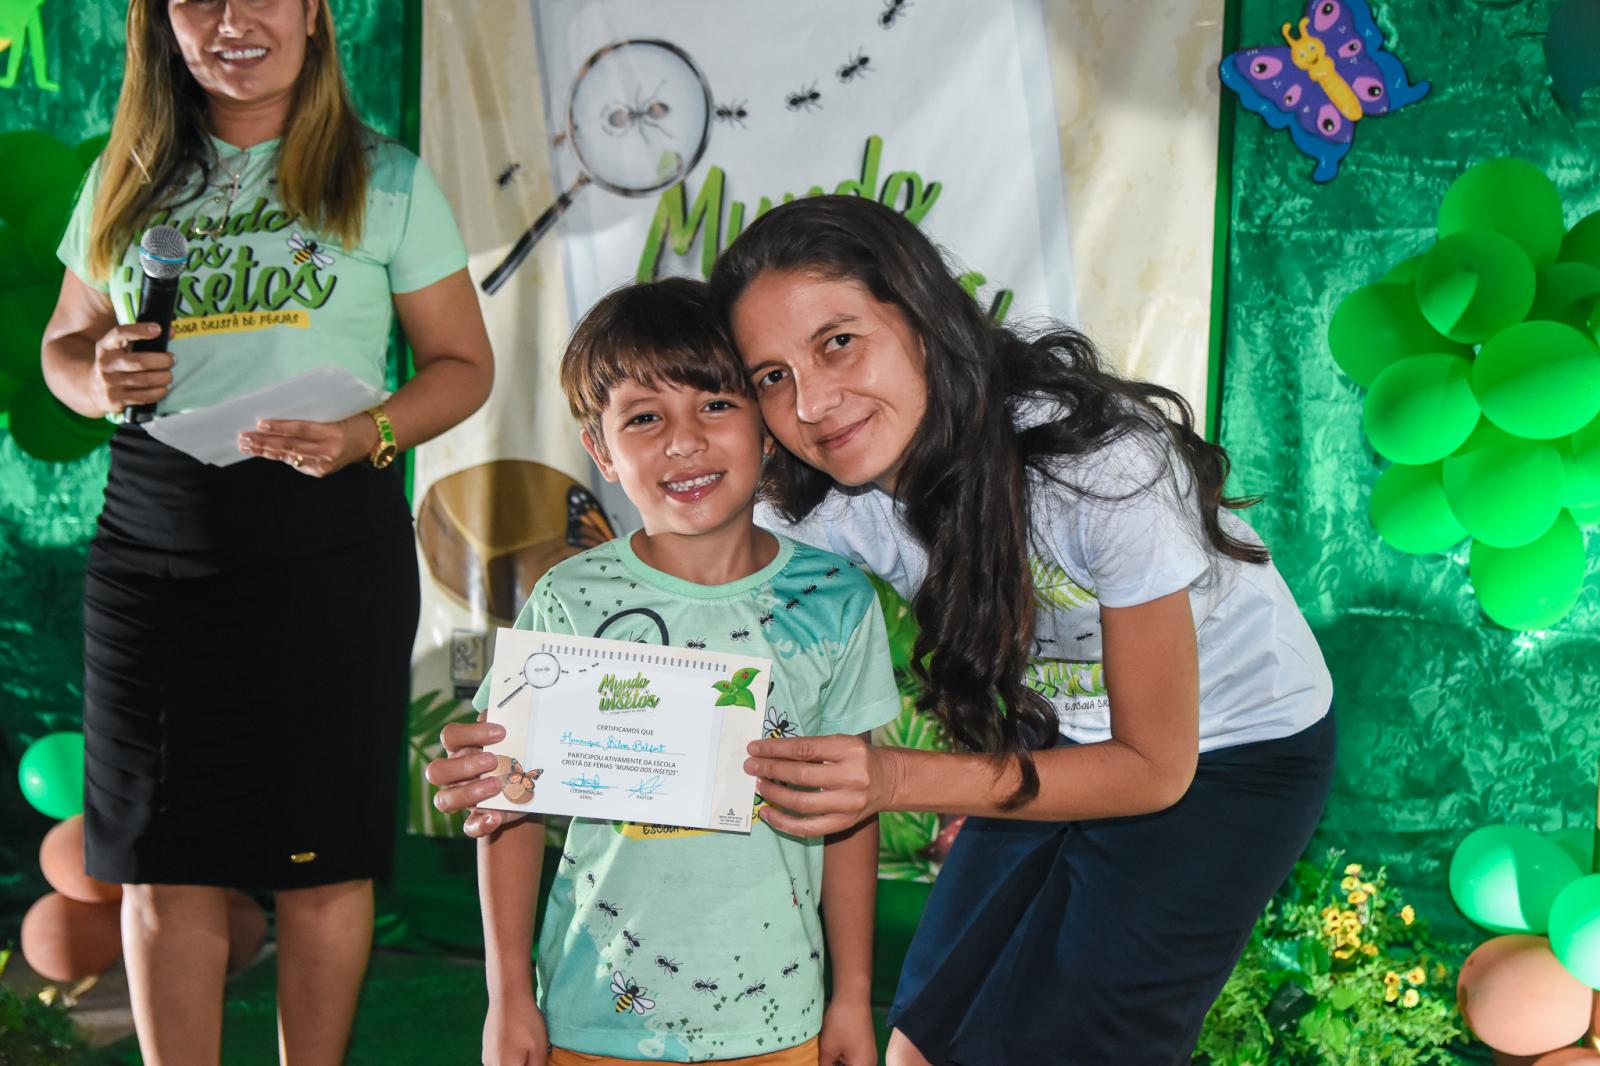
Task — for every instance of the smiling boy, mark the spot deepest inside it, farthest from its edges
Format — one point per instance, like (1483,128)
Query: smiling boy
(672,944)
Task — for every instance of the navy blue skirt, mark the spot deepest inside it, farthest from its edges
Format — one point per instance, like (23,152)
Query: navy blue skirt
(1107,941)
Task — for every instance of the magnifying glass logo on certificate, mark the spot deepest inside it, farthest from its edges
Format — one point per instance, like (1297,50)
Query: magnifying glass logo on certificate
(540,670)
(638,119)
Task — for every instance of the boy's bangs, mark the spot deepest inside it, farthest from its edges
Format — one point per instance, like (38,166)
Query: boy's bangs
(709,370)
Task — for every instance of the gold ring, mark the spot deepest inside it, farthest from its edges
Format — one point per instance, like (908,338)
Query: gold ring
(298,461)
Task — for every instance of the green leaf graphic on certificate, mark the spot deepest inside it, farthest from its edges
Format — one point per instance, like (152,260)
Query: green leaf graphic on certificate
(735,692)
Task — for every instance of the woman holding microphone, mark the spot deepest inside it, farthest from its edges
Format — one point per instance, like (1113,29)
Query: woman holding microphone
(223,605)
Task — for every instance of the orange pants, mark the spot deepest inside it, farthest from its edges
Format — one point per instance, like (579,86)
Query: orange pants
(799,1055)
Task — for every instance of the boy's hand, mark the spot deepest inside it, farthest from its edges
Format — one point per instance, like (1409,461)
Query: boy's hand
(847,1036)
(514,1034)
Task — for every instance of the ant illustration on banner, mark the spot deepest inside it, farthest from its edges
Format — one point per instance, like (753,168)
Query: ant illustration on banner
(806,99)
(732,113)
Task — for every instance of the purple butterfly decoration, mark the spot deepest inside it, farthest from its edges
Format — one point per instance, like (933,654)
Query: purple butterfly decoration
(1332,74)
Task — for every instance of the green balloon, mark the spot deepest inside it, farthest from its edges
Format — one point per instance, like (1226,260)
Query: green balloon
(1378,325)
(1587,515)
(51,774)
(1580,454)
(89,149)
(33,163)
(1421,409)
(1403,272)
(1473,284)
(1505,490)
(1577,841)
(1505,878)
(13,262)
(1582,242)
(1566,293)
(51,433)
(1410,513)
(24,313)
(1575,929)
(1539,380)
(41,233)
(9,387)
(1534,586)
(1511,197)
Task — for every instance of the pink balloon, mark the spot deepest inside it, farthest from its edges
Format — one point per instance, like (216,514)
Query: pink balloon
(1519,999)
(1569,1056)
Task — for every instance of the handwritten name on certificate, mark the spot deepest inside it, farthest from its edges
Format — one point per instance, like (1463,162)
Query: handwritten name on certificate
(629,732)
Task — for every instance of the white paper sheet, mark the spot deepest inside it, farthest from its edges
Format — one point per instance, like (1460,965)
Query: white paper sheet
(211,434)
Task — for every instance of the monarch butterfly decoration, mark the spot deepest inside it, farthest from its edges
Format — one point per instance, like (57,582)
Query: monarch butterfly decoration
(587,526)
(518,787)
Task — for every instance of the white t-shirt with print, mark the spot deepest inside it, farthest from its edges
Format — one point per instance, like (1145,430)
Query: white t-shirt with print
(1262,675)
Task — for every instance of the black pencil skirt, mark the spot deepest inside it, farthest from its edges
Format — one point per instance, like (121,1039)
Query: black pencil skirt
(247,649)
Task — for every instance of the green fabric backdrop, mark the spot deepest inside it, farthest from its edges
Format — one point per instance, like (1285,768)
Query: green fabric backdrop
(1446,721)
(48,511)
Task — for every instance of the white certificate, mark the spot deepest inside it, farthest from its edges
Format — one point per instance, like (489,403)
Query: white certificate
(629,732)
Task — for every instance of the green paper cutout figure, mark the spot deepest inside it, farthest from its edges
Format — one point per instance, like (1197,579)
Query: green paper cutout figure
(21,28)
(736,690)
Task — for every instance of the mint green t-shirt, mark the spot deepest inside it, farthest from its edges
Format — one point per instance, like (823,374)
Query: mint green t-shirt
(268,298)
(714,937)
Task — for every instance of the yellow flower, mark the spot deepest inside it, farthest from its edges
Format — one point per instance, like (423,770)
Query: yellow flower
(1356,897)
(1349,884)
(1391,994)
(1369,949)
(1344,953)
(1440,970)
(1410,999)
(1391,979)
(1407,914)
(1354,869)
(1417,976)
(1369,888)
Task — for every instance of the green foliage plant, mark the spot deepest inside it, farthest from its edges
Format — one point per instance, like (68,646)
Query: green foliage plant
(1338,972)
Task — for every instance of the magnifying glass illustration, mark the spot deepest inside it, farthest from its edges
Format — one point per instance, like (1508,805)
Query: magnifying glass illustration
(540,670)
(638,119)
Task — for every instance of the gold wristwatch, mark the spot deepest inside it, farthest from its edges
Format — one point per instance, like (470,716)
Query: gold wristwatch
(385,452)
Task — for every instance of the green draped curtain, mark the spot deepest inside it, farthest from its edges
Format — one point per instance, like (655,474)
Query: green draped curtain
(1446,721)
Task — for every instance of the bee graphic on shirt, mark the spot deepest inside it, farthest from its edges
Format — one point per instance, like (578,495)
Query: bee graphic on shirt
(629,996)
(740,634)
(609,908)
(732,113)
(667,965)
(804,99)
(858,65)
(759,988)
(777,724)
(633,940)
(307,252)
(697,645)
(892,11)
(791,969)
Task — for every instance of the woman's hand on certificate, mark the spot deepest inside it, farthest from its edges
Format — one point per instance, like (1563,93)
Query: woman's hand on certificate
(459,775)
(841,780)
(123,378)
(314,448)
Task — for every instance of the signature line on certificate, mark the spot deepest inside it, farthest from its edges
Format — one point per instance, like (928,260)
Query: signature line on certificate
(650,786)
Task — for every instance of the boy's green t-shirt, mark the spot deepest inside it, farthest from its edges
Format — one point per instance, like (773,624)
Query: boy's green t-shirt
(713,938)
(268,297)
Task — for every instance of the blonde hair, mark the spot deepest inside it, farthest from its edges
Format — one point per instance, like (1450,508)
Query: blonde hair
(160,131)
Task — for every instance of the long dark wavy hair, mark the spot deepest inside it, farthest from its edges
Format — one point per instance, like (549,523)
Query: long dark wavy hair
(966,481)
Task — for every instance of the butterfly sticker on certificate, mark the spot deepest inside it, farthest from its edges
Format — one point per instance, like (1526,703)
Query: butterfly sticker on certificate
(629,732)
(1331,74)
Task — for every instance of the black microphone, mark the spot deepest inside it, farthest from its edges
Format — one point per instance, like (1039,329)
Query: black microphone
(162,254)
